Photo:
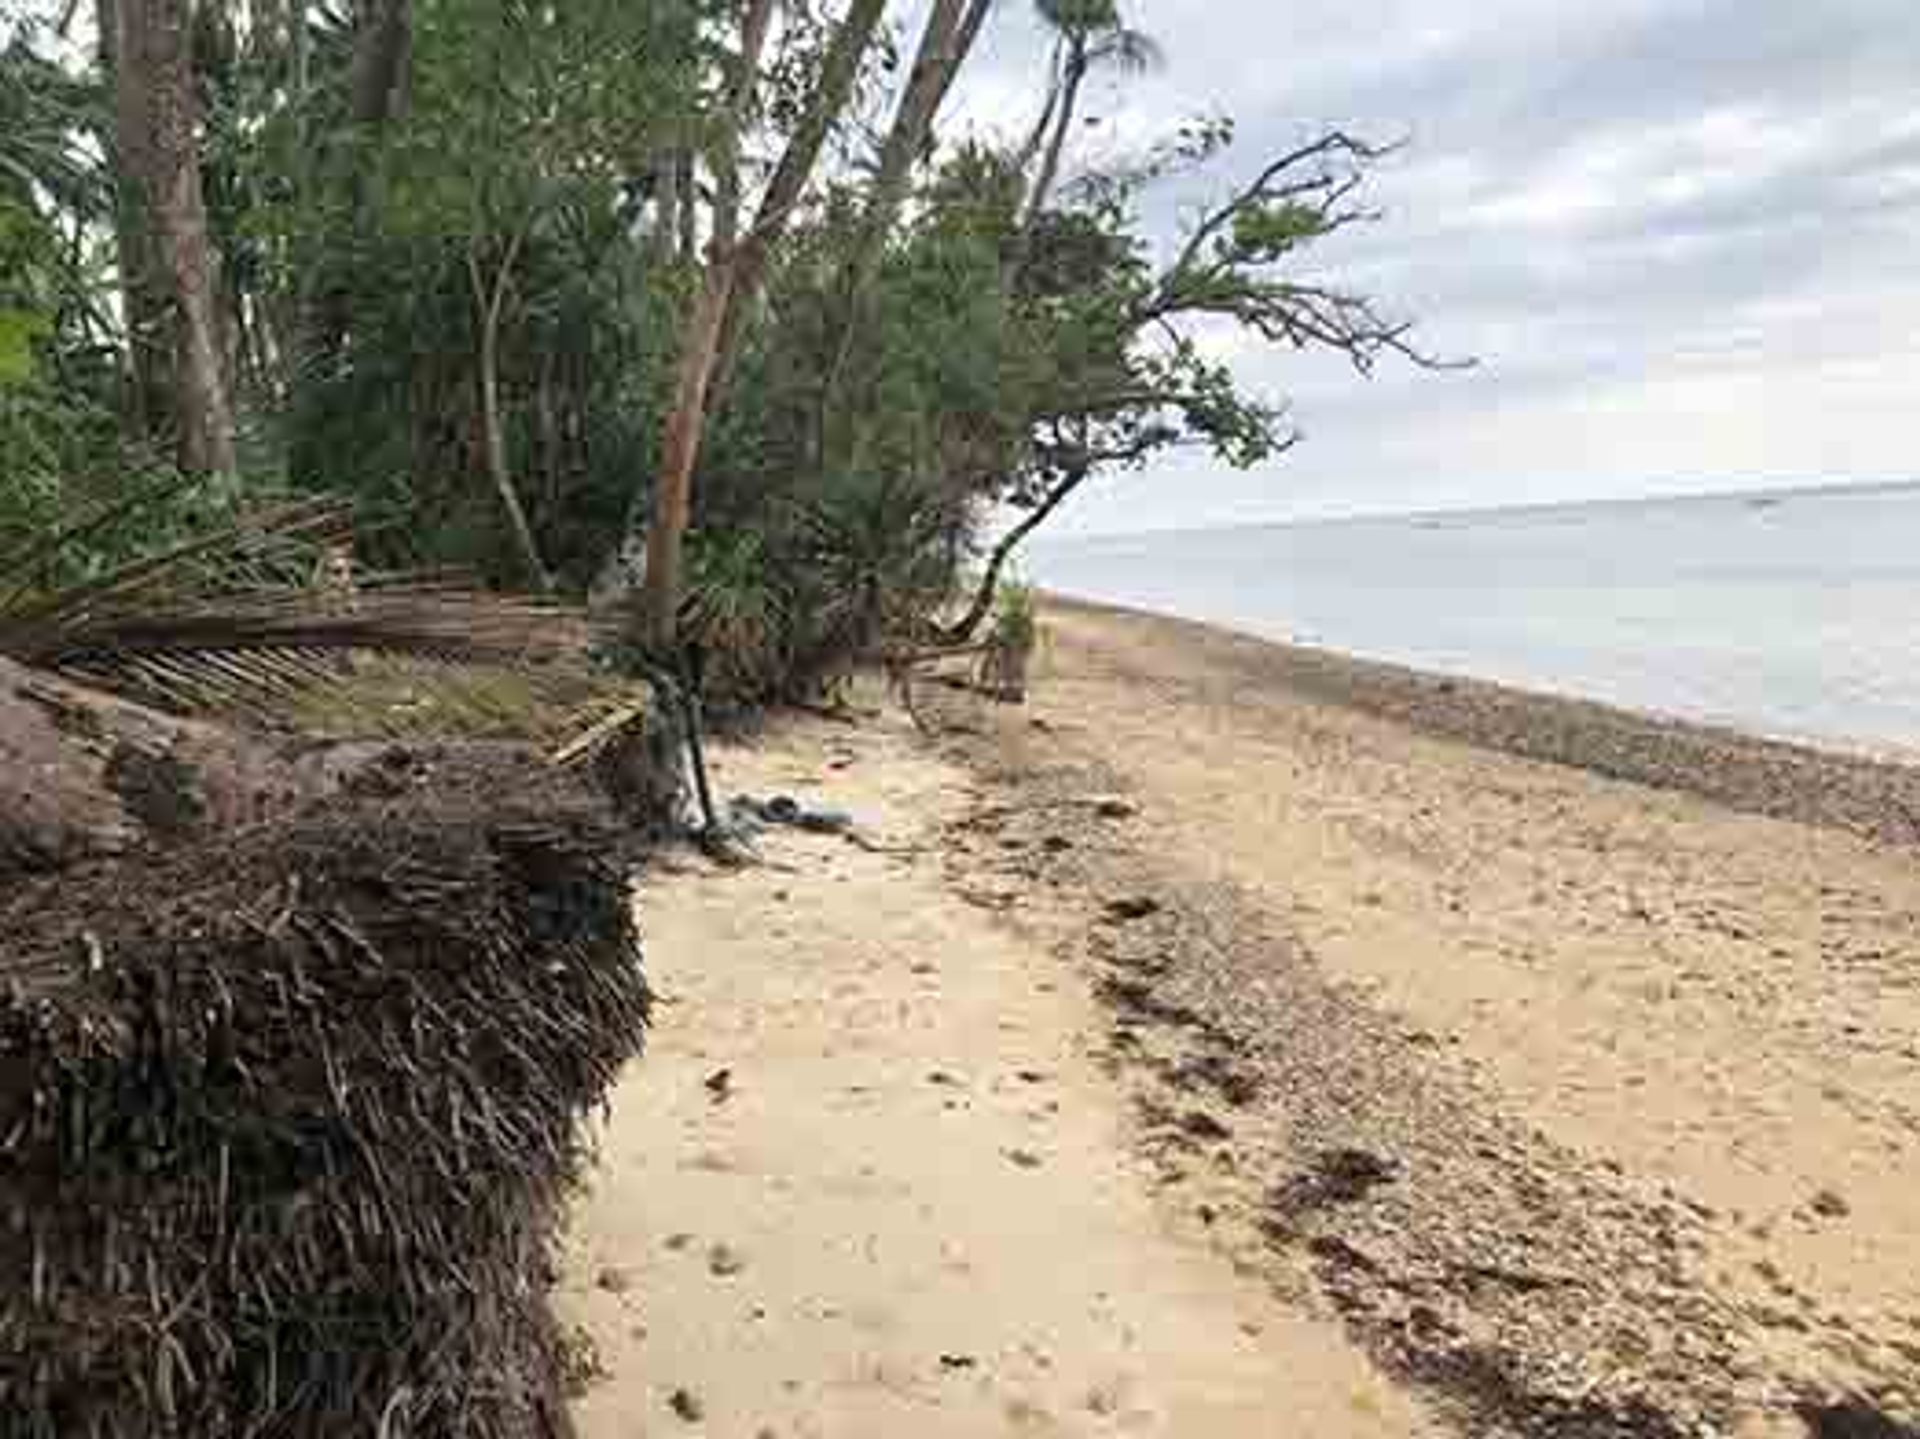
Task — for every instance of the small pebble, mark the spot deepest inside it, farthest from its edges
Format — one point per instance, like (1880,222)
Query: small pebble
(686,1406)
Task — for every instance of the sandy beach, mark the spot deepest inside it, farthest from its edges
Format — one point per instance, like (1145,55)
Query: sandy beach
(1244,1040)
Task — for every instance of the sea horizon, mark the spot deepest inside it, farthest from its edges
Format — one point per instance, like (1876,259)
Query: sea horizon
(1781,611)
(1758,490)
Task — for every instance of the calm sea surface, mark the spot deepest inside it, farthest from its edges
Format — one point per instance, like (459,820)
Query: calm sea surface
(1794,615)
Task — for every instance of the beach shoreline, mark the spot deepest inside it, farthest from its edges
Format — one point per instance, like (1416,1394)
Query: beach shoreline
(1225,989)
(1867,789)
(1578,1046)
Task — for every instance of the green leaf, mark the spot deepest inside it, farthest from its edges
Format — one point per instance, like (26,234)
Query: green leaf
(19,329)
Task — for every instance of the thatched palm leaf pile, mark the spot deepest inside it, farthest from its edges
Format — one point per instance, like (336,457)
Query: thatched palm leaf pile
(283,1132)
(296,1037)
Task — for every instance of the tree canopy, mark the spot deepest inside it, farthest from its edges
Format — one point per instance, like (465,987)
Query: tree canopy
(706,299)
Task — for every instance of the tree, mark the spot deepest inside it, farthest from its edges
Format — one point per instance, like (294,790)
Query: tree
(952,28)
(1133,378)
(1089,34)
(458,229)
(159,143)
(733,275)
(540,283)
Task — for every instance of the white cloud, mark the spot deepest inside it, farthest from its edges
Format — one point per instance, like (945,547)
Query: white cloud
(1685,238)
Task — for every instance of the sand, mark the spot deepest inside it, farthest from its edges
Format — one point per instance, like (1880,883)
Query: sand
(1719,1000)
(911,1206)
(1388,1078)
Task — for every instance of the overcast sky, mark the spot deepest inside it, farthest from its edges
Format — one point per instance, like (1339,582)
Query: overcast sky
(1682,237)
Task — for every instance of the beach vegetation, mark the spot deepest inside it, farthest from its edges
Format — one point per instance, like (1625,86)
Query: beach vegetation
(716,311)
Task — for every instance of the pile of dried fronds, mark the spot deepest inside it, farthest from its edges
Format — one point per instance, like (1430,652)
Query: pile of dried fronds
(237,623)
(284,1126)
(295,1036)
(107,685)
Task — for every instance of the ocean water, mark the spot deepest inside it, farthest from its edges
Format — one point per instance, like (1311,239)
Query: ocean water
(1791,614)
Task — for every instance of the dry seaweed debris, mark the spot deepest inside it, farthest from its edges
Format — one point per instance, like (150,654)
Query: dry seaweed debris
(285,1122)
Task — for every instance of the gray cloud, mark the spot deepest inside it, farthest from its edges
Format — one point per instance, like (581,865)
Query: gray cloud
(1683,235)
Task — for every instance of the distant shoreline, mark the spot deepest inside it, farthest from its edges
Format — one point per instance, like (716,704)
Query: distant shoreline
(1868,793)
(1762,497)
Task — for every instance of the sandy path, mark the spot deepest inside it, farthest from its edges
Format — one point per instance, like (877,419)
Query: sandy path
(918,1209)
(1719,1001)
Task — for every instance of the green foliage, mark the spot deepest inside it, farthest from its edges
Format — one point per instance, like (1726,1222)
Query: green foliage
(1016,617)
(522,186)
(738,612)
(20,331)
(60,445)
(515,172)
(1267,234)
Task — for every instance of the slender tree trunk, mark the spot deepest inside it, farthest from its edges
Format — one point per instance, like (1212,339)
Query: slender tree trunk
(270,39)
(671,500)
(488,303)
(377,92)
(143,300)
(951,29)
(688,187)
(1074,76)
(679,452)
(549,461)
(1043,126)
(713,336)
(664,240)
(970,28)
(725,157)
(935,62)
(963,629)
(155,57)
(838,72)
(382,60)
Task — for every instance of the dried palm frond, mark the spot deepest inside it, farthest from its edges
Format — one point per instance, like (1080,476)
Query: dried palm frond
(271,545)
(226,623)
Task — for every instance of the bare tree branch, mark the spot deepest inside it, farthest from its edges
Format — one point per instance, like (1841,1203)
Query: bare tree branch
(1266,190)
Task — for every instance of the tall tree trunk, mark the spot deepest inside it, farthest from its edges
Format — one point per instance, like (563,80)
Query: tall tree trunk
(670,502)
(270,38)
(377,91)
(679,452)
(143,294)
(713,334)
(951,29)
(688,186)
(488,302)
(1029,150)
(725,156)
(1072,78)
(155,59)
(939,56)
(838,72)
(970,27)
(664,240)
(382,60)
